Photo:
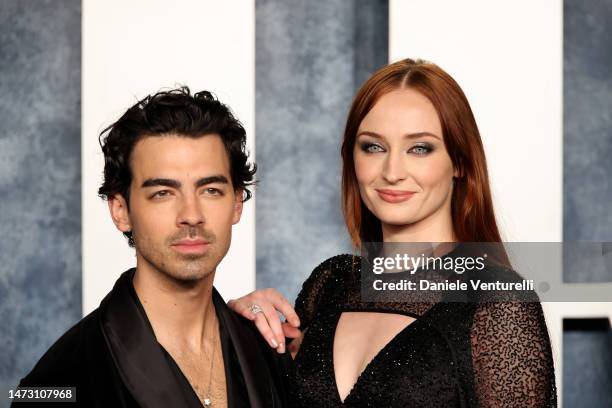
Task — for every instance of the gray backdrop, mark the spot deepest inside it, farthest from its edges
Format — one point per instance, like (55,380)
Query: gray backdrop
(309,63)
(587,107)
(40,179)
(587,185)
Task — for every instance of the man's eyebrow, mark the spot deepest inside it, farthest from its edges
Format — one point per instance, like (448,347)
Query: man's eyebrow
(408,135)
(154,182)
(218,178)
(161,182)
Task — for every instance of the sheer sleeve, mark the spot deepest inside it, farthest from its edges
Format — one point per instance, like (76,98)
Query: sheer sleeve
(315,288)
(511,356)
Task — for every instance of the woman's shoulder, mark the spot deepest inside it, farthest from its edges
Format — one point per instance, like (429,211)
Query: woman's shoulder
(324,283)
(338,263)
(503,283)
(333,269)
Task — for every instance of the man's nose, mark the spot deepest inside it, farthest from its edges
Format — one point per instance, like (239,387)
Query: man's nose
(191,212)
(395,167)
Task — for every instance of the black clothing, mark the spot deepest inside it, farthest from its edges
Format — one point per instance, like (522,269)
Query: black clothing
(114,360)
(455,354)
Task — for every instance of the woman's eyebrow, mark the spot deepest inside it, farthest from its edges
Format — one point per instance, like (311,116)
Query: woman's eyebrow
(408,135)
(421,134)
(369,133)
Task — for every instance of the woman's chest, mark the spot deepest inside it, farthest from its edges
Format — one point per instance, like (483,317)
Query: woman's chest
(390,361)
(359,337)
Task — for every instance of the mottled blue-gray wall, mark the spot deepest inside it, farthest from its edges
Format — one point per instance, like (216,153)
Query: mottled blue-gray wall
(40,179)
(587,144)
(587,184)
(587,367)
(310,59)
(587,110)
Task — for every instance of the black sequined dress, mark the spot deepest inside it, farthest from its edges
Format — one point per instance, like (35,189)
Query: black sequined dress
(455,354)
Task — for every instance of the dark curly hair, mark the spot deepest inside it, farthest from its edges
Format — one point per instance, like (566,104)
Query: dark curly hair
(175,112)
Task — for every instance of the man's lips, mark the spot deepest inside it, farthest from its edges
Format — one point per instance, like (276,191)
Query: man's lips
(191,246)
(394,196)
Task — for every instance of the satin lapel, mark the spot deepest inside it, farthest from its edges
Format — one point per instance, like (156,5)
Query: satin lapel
(136,353)
(254,367)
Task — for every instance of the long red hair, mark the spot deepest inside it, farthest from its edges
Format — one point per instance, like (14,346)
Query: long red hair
(471,206)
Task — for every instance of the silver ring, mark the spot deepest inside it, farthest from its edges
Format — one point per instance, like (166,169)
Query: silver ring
(255,308)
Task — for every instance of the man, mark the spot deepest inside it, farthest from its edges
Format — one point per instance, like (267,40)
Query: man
(176,176)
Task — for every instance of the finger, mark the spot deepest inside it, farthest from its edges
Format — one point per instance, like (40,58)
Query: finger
(269,300)
(242,305)
(275,324)
(264,328)
(295,344)
(290,331)
(282,305)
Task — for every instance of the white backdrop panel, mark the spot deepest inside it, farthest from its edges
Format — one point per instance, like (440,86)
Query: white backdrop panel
(134,48)
(507,57)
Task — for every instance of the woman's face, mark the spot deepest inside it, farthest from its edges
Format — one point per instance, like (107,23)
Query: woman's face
(404,172)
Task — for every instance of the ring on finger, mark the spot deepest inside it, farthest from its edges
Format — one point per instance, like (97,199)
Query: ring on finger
(255,308)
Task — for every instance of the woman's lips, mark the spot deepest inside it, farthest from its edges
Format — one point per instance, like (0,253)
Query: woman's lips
(394,196)
(191,246)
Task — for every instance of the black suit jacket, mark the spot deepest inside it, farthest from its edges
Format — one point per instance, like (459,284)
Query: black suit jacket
(114,360)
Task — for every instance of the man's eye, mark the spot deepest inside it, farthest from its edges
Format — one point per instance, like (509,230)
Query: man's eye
(160,194)
(371,148)
(213,191)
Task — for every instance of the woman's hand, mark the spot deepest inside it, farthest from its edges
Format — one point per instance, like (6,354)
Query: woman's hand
(268,321)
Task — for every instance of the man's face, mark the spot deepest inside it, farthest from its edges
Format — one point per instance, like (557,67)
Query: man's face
(182,204)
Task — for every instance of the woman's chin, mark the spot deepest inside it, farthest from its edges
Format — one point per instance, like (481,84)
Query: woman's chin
(397,221)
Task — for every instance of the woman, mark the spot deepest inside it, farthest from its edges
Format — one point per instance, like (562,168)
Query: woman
(414,170)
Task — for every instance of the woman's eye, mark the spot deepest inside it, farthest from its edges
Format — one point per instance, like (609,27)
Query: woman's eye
(371,148)
(420,149)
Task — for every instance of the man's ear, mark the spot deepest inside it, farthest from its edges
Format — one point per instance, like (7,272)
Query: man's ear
(238,204)
(119,213)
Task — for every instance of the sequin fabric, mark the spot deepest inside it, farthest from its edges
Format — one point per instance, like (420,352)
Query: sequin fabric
(456,354)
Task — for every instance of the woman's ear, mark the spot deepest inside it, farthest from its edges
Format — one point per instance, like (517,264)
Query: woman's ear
(119,212)
(458,172)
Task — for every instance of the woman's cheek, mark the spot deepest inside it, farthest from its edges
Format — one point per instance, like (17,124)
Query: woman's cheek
(366,170)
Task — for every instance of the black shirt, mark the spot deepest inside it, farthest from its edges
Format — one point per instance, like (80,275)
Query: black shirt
(114,360)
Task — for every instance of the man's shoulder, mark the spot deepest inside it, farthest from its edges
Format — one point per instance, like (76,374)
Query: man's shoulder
(64,362)
(245,332)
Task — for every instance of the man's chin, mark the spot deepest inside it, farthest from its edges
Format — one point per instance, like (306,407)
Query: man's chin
(187,278)
(186,271)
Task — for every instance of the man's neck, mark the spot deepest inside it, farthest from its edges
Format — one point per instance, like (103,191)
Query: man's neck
(181,313)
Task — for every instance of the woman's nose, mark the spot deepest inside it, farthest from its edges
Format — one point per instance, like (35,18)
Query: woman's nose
(395,168)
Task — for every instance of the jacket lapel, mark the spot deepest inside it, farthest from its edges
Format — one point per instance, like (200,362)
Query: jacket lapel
(255,371)
(136,353)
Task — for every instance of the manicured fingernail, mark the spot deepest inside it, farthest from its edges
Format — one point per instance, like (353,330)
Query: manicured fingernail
(281,348)
(274,343)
